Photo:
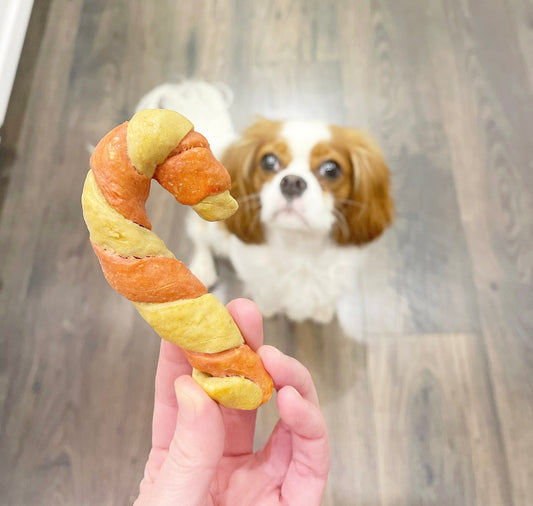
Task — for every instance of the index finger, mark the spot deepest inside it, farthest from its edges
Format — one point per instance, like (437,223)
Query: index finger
(249,320)
(172,364)
(240,425)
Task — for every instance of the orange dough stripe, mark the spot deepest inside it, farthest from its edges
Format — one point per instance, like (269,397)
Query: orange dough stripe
(149,279)
(239,361)
(124,188)
(191,172)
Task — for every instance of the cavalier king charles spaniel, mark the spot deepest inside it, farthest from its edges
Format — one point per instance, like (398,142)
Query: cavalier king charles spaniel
(310,196)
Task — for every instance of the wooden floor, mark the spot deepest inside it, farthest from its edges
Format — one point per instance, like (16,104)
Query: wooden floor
(433,403)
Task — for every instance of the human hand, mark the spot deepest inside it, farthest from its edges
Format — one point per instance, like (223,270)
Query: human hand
(202,453)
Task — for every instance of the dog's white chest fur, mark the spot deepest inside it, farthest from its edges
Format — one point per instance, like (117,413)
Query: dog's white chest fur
(302,277)
(304,280)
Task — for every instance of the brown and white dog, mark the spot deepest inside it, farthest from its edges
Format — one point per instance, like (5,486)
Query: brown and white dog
(310,196)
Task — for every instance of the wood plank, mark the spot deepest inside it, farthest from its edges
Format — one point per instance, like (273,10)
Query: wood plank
(495,200)
(521,14)
(20,93)
(435,421)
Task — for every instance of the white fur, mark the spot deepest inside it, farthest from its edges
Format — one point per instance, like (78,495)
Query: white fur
(313,211)
(206,105)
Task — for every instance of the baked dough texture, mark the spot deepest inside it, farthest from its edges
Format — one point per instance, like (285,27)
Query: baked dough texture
(162,145)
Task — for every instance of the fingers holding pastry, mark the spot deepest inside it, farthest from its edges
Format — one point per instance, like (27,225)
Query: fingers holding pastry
(235,364)
(238,368)
(248,318)
(309,463)
(287,371)
(298,450)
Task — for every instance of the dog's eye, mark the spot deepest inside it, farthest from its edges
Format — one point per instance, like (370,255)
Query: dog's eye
(330,169)
(270,163)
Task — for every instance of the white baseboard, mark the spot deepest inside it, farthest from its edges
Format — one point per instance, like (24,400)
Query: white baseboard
(14,18)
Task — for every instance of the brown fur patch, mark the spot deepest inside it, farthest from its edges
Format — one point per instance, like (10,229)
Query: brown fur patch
(364,204)
(242,159)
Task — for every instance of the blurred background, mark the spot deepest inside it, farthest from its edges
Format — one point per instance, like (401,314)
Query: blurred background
(432,402)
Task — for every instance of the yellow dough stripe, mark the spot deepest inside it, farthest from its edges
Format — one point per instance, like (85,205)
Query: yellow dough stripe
(231,391)
(152,135)
(109,229)
(202,324)
(216,207)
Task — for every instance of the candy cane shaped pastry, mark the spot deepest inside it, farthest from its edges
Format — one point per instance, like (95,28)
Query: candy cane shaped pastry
(163,145)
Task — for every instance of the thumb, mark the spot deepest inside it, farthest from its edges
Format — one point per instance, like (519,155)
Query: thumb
(195,451)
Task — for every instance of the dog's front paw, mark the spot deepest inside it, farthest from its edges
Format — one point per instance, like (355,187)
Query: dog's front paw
(203,267)
(321,314)
(324,314)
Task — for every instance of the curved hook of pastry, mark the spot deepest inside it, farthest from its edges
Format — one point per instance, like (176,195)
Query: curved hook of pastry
(162,145)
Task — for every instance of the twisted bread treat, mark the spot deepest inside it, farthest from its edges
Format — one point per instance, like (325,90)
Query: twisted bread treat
(162,145)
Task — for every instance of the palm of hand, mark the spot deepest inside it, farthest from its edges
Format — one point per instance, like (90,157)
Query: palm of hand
(280,473)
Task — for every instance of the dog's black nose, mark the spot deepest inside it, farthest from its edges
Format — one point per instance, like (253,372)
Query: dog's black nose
(292,186)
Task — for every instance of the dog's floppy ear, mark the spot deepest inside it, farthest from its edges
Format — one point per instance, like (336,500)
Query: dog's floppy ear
(370,209)
(240,159)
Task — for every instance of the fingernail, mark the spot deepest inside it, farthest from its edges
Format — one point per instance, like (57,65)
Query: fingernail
(186,403)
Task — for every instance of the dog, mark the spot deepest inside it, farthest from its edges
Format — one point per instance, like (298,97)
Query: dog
(311,196)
